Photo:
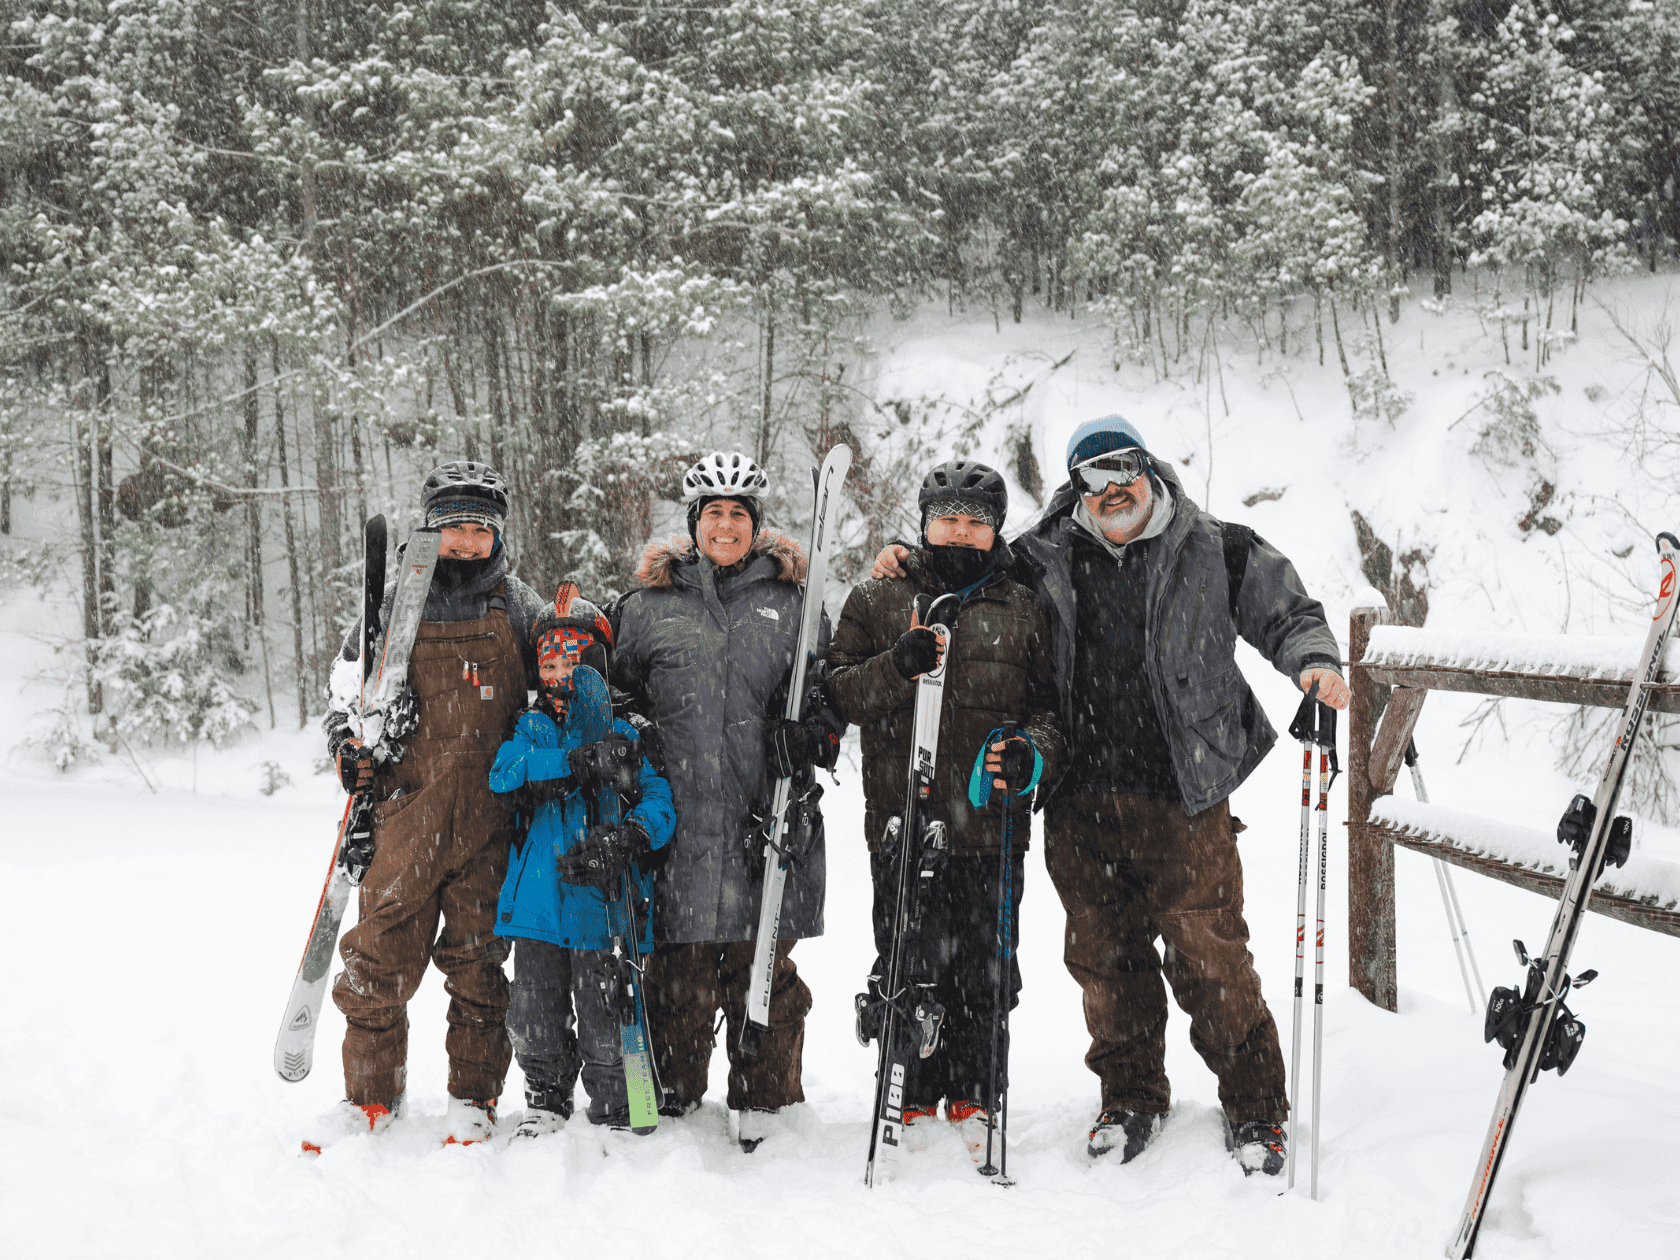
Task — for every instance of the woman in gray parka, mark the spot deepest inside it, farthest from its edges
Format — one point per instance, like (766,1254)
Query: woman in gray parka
(705,648)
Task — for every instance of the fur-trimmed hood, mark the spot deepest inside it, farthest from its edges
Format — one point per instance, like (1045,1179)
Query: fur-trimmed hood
(661,556)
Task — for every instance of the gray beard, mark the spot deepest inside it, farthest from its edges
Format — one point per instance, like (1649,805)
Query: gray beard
(1123,519)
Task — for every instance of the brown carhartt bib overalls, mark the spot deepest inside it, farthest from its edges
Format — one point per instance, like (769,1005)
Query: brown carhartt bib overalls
(441,851)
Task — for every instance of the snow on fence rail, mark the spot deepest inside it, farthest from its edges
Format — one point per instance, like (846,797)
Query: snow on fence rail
(1646,891)
(1570,668)
(1392,669)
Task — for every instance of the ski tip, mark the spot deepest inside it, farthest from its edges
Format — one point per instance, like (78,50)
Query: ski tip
(1673,542)
(642,1130)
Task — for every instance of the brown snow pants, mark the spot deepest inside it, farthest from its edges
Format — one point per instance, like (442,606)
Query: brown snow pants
(1129,870)
(441,852)
(687,984)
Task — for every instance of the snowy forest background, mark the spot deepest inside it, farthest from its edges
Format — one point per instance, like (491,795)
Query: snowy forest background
(265,263)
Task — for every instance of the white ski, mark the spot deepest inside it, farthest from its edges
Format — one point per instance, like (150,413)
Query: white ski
(294,1048)
(778,832)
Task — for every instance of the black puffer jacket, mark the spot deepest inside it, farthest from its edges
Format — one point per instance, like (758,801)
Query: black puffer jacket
(1000,671)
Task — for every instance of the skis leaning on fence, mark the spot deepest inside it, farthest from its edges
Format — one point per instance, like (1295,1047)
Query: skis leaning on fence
(294,1048)
(778,831)
(901,1012)
(1534,1026)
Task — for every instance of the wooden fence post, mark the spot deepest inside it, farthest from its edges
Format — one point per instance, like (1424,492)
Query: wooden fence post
(1371,944)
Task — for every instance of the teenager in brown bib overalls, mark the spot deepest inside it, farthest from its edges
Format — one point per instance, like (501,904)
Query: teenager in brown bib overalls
(441,838)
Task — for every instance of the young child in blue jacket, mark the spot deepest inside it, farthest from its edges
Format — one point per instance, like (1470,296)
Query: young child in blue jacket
(555,901)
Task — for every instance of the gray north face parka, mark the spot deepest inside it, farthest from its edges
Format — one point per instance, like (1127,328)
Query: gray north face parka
(707,656)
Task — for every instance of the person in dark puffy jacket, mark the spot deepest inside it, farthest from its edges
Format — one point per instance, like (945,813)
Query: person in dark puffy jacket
(705,650)
(561,908)
(999,672)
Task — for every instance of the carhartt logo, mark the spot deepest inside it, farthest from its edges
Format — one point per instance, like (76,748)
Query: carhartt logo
(301,1019)
(771,613)
(486,693)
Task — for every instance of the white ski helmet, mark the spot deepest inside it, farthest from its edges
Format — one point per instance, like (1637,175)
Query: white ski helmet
(725,475)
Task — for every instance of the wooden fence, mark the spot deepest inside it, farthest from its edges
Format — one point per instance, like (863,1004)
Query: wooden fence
(1390,681)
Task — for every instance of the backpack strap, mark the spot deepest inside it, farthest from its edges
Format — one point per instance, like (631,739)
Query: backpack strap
(1237,541)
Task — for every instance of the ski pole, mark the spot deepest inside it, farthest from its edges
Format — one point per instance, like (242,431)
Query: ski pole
(1327,771)
(1449,900)
(1000,1013)
(1302,729)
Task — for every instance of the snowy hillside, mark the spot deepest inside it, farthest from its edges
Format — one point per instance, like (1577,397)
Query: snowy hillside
(157,903)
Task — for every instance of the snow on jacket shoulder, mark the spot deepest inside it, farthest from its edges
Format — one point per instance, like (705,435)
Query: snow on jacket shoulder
(1214,722)
(534,901)
(706,654)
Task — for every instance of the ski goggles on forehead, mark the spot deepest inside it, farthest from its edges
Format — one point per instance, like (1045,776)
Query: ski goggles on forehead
(1119,468)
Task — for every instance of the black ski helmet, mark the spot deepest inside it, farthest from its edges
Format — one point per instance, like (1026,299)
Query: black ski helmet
(968,482)
(465,479)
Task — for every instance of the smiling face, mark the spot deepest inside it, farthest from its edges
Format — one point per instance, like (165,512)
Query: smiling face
(1121,511)
(724,531)
(960,530)
(557,669)
(466,542)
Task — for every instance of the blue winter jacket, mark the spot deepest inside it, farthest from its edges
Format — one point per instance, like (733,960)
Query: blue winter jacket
(535,902)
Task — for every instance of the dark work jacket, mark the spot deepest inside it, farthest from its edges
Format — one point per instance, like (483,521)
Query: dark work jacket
(1213,722)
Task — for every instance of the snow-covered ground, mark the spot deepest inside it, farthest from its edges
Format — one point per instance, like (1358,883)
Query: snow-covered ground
(151,937)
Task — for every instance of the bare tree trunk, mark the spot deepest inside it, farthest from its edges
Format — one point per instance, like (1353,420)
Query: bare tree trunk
(769,376)
(1336,328)
(81,478)
(5,470)
(291,549)
(253,521)
(1391,243)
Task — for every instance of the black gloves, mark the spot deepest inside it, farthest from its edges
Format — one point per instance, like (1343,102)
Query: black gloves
(916,652)
(791,745)
(604,854)
(1018,761)
(612,762)
(355,766)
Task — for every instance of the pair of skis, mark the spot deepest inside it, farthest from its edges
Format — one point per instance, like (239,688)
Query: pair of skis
(294,1048)
(589,720)
(1534,1026)
(780,823)
(901,1014)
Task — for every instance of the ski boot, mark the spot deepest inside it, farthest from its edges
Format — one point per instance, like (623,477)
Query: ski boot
(349,1119)
(1125,1131)
(469,1120)
(1258,1146)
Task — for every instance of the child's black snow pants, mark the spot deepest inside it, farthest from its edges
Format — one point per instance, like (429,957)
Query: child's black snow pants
(959,956)
(549,983)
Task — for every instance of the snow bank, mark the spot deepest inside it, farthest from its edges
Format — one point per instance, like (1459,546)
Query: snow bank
(1645,878)
(1602,656)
